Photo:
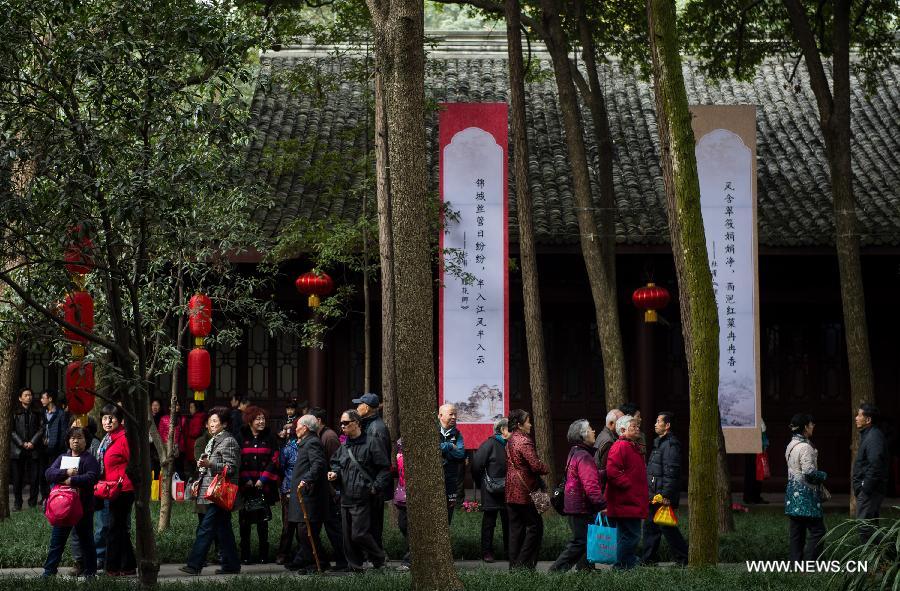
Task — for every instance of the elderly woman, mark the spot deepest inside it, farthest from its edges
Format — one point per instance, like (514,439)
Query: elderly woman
(221,452)
(627,490)
(803,497)
(114,454)
(489,471)
(258,479)
(83,478)
(523,475)
(583,496)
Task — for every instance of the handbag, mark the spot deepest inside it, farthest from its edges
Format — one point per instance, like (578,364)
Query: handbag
(762,466)
(221,492)
(108,490)
(601,541)
(256,509)
(558,500)
(540,498)
(824,493)
(63,508)
(400,495)
(665,516)
(494,486)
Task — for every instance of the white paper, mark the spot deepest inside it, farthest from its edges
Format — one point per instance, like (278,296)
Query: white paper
(725,168)
(69,462)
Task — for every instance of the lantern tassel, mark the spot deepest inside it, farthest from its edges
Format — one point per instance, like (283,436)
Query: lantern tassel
(650,316)
(314,301)
(199,395)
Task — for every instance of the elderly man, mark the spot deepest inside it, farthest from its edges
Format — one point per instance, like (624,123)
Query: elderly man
(870,468)
(453,454)
(362,470)
(309,479)
(626,491)
(373,426)
(607,437)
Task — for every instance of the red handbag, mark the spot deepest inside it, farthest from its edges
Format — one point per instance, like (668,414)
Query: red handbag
(108,489)
(221,492)
(762,466)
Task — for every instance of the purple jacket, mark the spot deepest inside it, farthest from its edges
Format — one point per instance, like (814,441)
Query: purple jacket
(84,481)
(583,494)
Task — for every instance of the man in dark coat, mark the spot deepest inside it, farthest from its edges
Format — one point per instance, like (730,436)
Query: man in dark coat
(362,470)
(375,429)
(56,423)
(870,468)
(453,454)
(333,529)
(664,479)
(24,446)
(309,478)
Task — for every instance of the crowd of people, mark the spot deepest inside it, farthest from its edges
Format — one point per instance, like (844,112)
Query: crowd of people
(341,482)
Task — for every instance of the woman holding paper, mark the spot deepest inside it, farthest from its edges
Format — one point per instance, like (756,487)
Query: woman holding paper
(79,470)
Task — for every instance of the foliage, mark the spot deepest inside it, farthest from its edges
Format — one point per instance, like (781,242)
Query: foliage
(732,37)
(134,123)
(881,553)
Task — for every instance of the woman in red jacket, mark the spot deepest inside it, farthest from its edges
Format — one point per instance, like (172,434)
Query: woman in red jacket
(113,456)
(523,475)
(626,490)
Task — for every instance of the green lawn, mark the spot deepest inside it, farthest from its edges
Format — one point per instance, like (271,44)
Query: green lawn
(759,536)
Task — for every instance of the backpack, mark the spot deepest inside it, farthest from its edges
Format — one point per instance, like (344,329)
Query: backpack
(63,507)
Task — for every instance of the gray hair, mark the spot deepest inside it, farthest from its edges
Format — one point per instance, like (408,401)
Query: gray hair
(578,430)
(310,422)
(501,424)
(612,416)
(623,422)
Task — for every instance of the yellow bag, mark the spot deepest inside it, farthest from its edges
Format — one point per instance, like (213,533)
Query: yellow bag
(154,487)
(665,515)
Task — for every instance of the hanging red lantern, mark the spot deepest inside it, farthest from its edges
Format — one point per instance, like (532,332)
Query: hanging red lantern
(198,372)
(78,309)
(80,387)
(78,256)
(650,298)
(200,321)
(315,285)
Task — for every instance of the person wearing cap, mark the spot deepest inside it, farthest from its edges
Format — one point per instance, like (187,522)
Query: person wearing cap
(373,426)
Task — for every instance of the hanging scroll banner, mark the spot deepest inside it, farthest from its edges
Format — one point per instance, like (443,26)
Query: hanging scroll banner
(726,165)
(473,344)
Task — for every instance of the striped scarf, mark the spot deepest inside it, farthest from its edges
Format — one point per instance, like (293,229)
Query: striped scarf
(104,445)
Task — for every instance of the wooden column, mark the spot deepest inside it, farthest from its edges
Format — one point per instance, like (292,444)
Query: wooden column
(646,397)
(315,374)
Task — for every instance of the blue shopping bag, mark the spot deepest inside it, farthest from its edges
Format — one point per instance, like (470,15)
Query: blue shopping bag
(601,541)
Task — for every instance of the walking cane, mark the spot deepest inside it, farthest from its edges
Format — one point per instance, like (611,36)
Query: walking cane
(309,533)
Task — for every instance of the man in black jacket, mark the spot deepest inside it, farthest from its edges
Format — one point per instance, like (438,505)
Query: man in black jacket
(870,468)
(362,470)
(375,429)
(664,479)
(25,441)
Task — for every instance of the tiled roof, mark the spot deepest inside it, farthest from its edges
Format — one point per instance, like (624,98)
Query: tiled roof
(793,182)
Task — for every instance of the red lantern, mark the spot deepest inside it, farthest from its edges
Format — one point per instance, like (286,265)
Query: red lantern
(79,311)
(198,372)
(79,260)
(200,312)
(650,298)
(314,285)
(80,387)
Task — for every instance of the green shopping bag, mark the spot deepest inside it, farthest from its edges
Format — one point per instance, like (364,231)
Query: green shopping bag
(601,541)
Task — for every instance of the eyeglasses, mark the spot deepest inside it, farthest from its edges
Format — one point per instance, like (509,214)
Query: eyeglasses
(345,423)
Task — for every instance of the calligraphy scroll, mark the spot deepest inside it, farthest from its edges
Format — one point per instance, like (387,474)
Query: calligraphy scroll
(726,165)
(474,305)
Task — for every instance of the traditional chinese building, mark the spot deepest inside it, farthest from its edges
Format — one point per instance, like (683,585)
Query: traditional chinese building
(802,346)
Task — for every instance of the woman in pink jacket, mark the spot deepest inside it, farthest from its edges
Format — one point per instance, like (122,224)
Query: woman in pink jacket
(626,490)
(583,497)
(523,475)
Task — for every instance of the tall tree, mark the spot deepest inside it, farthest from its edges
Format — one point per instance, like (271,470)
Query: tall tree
(699,318)
(399,37)
(534,332)
(748,32)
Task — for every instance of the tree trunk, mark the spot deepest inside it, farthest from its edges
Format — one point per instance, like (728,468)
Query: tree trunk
(367,307)
(698,307)
(167,450)
(9,376)
(602,285)
(400,25)
(534,335)
(391,410)
(834,122)
(726,516)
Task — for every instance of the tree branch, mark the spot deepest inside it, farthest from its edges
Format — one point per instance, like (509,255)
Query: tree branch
(806,40)
(497,9)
